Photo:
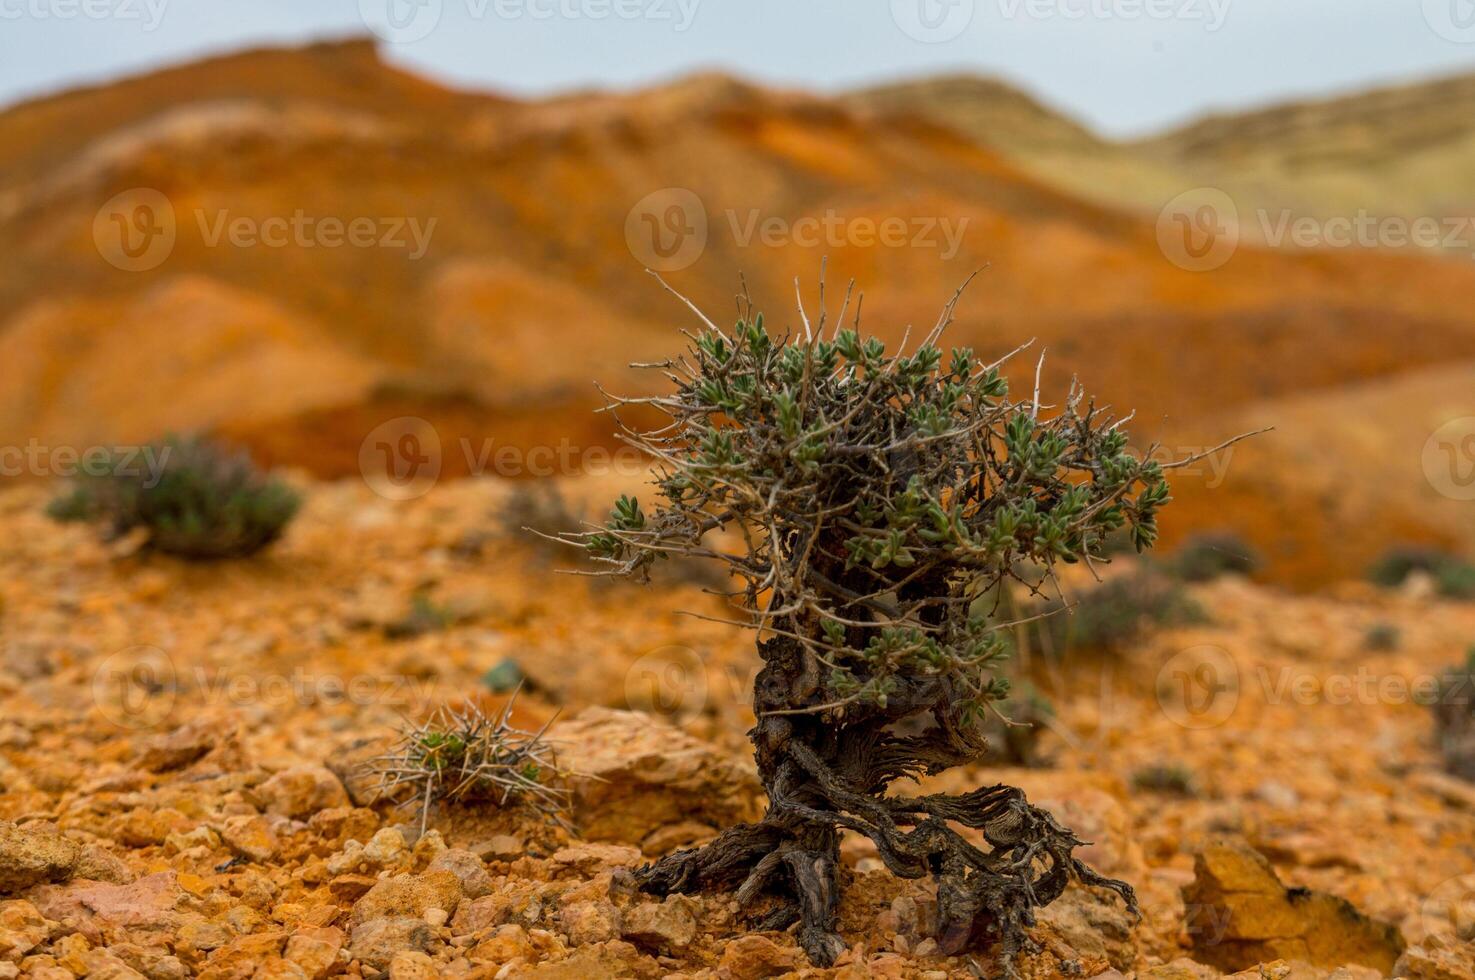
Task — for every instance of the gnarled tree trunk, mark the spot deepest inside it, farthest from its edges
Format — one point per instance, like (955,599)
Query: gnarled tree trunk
(826,776)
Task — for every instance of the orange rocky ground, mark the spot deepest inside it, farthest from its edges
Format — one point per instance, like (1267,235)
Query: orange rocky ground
(171,750)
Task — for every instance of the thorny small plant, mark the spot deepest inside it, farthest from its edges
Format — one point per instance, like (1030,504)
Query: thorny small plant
(463,755)
(864,499)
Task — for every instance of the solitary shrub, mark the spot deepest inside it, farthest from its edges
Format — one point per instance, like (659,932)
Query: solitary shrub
(1205,557)
(873,495)
(1453,577)
(1120,611)
(196,499)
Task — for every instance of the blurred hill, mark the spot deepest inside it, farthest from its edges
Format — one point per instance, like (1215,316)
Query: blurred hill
(530,283)
(1404,151)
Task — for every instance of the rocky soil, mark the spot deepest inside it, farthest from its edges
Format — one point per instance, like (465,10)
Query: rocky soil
(180,792)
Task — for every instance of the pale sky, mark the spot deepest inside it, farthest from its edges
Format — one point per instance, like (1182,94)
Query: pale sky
(1124,66)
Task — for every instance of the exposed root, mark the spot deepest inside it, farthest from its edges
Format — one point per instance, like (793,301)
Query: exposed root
(825,779)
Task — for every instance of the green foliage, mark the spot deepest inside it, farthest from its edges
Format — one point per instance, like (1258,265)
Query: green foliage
(466,755)
(1121,611)
(872,496)
(1172,779)
(1205,557)
(1454,578)
(202,502)
(425,616)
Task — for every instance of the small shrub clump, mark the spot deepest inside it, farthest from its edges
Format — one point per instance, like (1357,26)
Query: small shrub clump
(1170,780)
(202,502)
(863,499)
(1205,557)
(1119,612)
(465,755)
(1454,578)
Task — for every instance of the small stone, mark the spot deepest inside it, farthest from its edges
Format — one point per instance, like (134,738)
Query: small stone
(756,957)
(22,929)
(585,860)
(386,847)
(29,857)
(509,943)
(590,922)
(97,863)
(466,866)
(350,888)
(406,895)
(504,676)
(185,744)
(377,941)
(301,791)
(251,838)
(666,927)
(501,847)
(411,965)
(315,949)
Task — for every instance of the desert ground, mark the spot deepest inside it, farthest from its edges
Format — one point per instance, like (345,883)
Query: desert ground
(183,795)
